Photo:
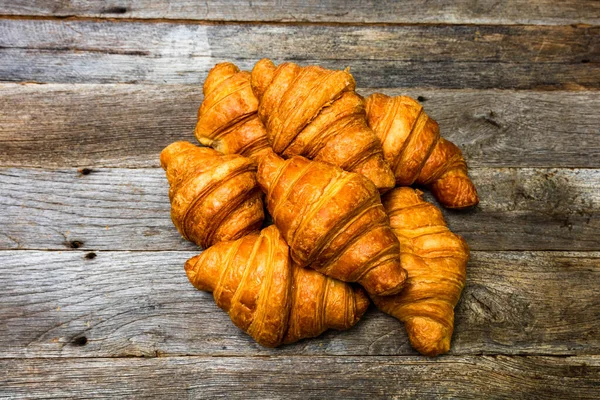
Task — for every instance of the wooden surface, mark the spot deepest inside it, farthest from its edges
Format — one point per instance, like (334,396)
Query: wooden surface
(94,301)
(464,377)
(133,303)
(128,209)
(128,125)
(545,12)
(99,51)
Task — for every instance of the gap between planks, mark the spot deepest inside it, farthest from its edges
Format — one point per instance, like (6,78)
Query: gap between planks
(184,21)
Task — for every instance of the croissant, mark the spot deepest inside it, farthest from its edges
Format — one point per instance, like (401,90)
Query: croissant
(214,197)
(416,152)
(314,112)
(228,119)
(436,260)
(333,220)
(268,297)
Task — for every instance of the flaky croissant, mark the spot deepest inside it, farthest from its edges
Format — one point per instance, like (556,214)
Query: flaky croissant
(436,260)
(417,154)
(314,112)
(214,197)
(333,221)
(275,302)
(227,118)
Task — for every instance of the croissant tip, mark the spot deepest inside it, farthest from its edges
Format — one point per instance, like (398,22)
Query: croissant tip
(362,302)
(428,336)
(172,150)
(205,141)
(464,205)
(395,289)
(190,267)
(225,64)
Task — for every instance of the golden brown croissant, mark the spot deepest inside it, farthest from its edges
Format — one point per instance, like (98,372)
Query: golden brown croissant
(227,118)
(214,197)
(333,221)
(275,302)
(314,112)
(416,152)
(436,260)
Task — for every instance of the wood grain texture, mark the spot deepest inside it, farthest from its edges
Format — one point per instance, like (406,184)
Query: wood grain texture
(117,317)
(61,125)
(129,304)
(85,51)
(546,12)
(498,377)
(128,209)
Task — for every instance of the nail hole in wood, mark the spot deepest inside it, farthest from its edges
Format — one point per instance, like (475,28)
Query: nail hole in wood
(115,10)
(75,244)
(585,61)
(85,171)
(90,256)
(421,99)
(80,341)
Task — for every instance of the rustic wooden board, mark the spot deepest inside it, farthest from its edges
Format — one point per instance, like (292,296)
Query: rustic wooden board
(67,67)
(124,304)
(444,43)
(85,51)
(498,377)
(546,12)
(62,125)
(108,311)
(128,209)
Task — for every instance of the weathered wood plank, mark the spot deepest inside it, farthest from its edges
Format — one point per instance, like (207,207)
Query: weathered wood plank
(380,56)
(60,125)
(67,67)
(476,377)
(546,12)
(561,44)
(128,209)
(121,304)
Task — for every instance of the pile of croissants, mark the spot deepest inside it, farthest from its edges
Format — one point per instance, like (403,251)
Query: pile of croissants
(334,170)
